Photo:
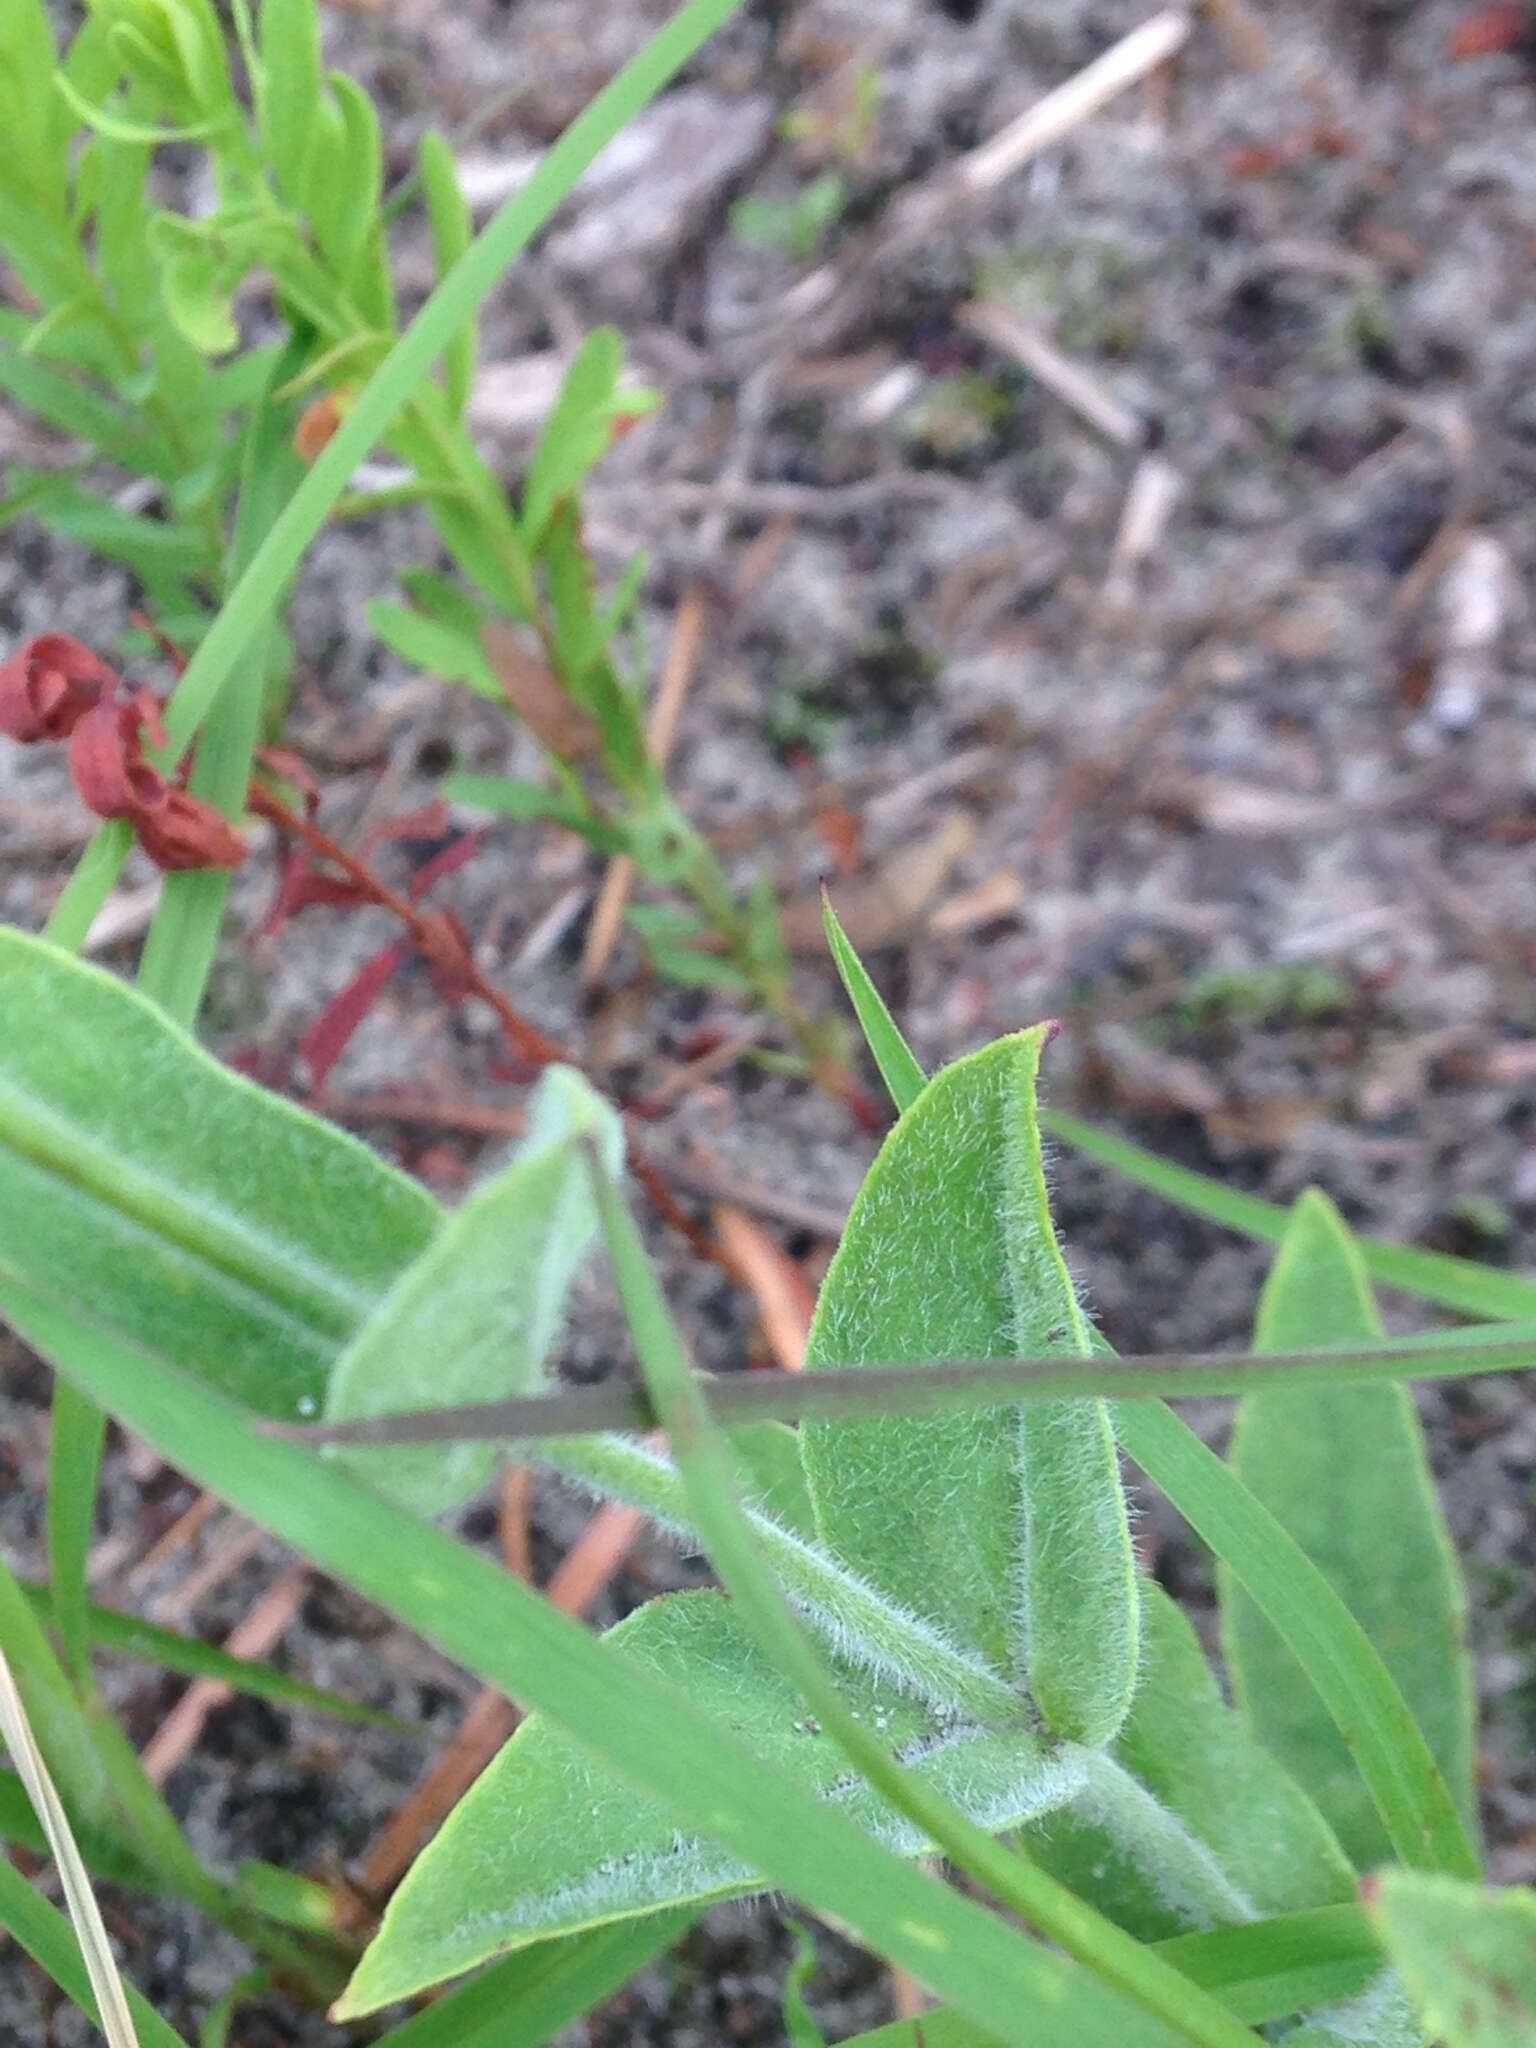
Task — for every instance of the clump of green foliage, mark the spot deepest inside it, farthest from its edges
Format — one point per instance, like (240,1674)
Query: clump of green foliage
(932,1639)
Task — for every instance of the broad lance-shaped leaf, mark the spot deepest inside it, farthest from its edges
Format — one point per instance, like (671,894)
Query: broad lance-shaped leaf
(1344,1470)
(475,1317)
(1185,1821)
(1467,1956)
(175,1204)
(1004,1527)
(557,1842)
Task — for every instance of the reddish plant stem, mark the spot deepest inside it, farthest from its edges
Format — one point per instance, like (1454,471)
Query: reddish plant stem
(526,1040)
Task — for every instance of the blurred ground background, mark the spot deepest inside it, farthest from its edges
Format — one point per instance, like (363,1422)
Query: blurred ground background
(1253,813)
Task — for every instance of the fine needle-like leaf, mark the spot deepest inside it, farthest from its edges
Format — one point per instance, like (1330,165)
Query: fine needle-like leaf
(704,1459)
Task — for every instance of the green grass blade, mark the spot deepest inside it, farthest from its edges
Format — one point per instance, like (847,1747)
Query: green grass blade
(485,1619)
(1264,1970)
(1345,1471)
(89,886)
(703,1456)
(179,949)
(1455,1283)
(750,1399)
(76,1436)
(47,1938)
(1402,1776)
(131,1636)
(454,303)
(85,1915)
(903,1077)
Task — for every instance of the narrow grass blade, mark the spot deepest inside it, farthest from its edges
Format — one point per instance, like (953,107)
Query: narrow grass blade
(1344,1470)
(902,1075)
(703,1456)
(498,1628)
(95,1950)
(1354,1685)
(183,936)
(1455,1283)
(756,1398)
(1265,1970)
(131,1636)
(77,1434)
(48,1939)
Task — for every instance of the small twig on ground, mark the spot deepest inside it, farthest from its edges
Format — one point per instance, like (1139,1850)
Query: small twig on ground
(255,1637)
(785,1303)
(1000,327)
(237,1541)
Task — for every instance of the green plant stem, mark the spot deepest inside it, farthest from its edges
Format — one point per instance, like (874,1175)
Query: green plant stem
(705,1462)
(259,589)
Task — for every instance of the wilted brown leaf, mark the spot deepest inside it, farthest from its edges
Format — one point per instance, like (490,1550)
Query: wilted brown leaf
(540,700)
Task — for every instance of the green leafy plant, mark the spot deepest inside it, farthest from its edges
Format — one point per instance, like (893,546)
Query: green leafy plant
(931,1644)
(965,1649)
(142,345)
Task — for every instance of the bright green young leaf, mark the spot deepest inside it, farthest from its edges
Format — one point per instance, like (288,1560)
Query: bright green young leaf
(508,797)
(474,1318)
(439,648)
(452,231)
(288,90)
(250,1261)
(1467,1956)
(1006,1528)
(556,1842)
(1344,1470)
(577,432)
(902,1075)
(1185,1821)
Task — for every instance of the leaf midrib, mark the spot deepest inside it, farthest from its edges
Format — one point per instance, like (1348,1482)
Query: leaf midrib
(315,1296)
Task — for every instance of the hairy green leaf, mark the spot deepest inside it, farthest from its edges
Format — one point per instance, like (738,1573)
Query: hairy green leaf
(1344,1471)
(1005,1528)
(558,1843)
(250,1261)
(1338,1657)
(648,1730)
(1185,1821)
(475,1316)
